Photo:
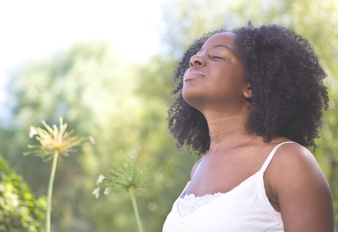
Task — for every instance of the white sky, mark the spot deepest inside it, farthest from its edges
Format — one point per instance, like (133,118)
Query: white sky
(31,29)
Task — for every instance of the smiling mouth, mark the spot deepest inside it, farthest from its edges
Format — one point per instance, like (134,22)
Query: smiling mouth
(193,75)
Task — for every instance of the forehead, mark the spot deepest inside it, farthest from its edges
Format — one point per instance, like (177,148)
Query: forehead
(224,38)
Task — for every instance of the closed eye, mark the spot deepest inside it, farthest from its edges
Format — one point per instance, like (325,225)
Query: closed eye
(217,57)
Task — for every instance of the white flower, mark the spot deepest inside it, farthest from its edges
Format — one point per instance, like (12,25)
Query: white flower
(92,140)
(32,132)
(100,179)
(96,192)
(106,191)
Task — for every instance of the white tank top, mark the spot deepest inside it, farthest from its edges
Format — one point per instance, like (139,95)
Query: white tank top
(244,208)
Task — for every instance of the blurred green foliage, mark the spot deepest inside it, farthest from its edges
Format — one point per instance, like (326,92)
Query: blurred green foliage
(124,107)
(19,210)
(98,94)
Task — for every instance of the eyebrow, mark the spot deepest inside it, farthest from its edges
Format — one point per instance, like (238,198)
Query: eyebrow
(219,45)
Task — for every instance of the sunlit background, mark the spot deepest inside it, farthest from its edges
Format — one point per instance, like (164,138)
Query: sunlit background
(35,29)
(105,67)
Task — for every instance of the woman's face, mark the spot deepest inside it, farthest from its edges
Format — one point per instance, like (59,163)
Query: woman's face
(215,77)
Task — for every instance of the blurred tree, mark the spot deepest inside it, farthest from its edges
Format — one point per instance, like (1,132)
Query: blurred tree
(87,85)
(99,95)
(19,210)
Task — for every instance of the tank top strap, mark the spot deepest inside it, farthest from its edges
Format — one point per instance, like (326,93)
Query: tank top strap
(267,161)
(197,166)
(183,192)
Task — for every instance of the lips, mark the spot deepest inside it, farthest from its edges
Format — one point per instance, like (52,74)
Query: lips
(192,74)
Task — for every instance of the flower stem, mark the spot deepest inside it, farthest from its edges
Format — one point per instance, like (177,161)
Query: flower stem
(50,190)
(133,200)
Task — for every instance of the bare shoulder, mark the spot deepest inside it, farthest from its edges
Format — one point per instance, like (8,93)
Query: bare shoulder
(296,159)
(195,167)
(302,191)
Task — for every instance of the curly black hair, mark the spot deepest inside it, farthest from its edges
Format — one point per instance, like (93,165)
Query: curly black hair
(287,87)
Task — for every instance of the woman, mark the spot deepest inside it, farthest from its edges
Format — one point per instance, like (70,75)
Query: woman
(251,100)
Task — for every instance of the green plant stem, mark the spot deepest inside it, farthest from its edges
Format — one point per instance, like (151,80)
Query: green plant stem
(50,190)
(133,200)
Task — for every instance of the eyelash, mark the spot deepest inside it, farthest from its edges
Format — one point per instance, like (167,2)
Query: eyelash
(217,57)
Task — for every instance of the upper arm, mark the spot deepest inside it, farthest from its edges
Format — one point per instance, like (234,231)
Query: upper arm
(303,193)
(194,168)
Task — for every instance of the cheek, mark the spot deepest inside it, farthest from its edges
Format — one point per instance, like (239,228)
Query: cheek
(227,85)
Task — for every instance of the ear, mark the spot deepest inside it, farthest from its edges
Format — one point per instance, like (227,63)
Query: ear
(247,93)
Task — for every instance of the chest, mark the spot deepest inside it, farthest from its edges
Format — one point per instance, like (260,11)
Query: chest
(242,209)
(224,175)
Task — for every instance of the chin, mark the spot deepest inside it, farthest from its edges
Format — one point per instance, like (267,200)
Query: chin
(193,98)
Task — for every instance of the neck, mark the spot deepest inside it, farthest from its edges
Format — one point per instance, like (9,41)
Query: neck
(227,131)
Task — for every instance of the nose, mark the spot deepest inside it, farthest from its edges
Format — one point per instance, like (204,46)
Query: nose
(196,60)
